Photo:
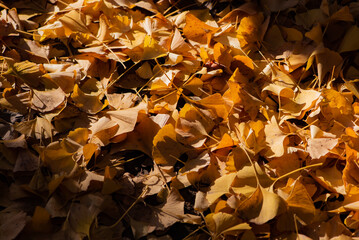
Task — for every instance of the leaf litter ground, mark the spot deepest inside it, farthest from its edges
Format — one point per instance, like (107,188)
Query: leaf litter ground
(125,119)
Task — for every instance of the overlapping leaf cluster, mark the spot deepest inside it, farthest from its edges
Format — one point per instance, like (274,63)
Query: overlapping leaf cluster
(127,119)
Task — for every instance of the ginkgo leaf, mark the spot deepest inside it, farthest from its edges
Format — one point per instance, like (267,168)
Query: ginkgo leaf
(152,49)
(197,30)
(272,206)
(15,102)
(327,61)
(252,134)
(315,34)
(285,164)
(9,230)
(216,104)
(103,130)
(301,203)
(245,67)
(224,223)
(126,118)
(89,101)
(225,142)
(193,126)
(275,138)
(221,55)
(248,31)
(145,71)
(350,171)
(302,101)
(38,128)
(261,206)
(201,203)
(40,221)
(292,34)
(73,23)
(196,164)
(274,38)
(58,159)
(247,179)
(318,147)
(221,186)
(28,72)
(65,80)
(146,219)
(179,45)
(82,214)
(46,101)
(342,14)
(347,43)
(166,149)
(195,85)
(238,13)
(280,91)
(331,179)
(335,104)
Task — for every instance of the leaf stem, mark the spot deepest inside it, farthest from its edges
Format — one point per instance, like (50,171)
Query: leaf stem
(132,205)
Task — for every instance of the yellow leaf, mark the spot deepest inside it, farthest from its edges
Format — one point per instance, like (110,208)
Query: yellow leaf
(221,55)
(342,15)
(303,101)
(103,130)
(89,150)
(328,61)
(221,186)
(126,118)
(348,43)
(246,182)
(28,72)
(216,104)
(145,71)
(331,179)
(38,128)
(315,34)
(260,207)
(274,38)
(197,30)
(194,85)
(16,102)
(166,148)
(57,158)
(272,205)
(275,139)
(179,45)
(245,68)
(301,203)
(151,49)
(48,100)
(193,126)
(74,23)
(249,31)
(292,34)
(285,164)
(318,147)
(40,221)
(335,103)
(225,223)
(225,142)
(89,99)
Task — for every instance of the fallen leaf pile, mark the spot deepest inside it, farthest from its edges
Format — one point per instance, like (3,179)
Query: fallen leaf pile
(161,119)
